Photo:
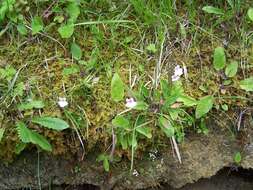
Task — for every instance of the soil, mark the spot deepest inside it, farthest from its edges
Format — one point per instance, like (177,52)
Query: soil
(225,179)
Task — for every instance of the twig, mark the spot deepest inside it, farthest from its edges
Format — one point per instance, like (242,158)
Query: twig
(176,149)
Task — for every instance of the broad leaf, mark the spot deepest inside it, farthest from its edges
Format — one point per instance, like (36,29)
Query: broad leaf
(22,29)
(121,122)
(146,131)
(141,106)
(117,88)
(20,147)
(73,11)
(123,141)
(213,10)
(41,141)
(106,164)
(37,25)
(204,105)
(76,51)
(38,104)
(247,84)
(187,100)
(219,58)
(66,31)
(23,132)
(231,69)
(71,70)
(166,127)
(104,158)
(51,123)
(250,13)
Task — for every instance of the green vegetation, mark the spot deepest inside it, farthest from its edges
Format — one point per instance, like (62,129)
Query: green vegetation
(119,76)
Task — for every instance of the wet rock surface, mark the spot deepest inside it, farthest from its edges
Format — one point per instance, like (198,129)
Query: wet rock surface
(202,156)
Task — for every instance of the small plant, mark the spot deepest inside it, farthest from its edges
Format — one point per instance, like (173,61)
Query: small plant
(105,159)
(27,135)
(171,115)
(238,158)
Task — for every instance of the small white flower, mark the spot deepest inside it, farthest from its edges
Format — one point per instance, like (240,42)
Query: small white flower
(62,102)
(130,103)
(135,173)
(175,78)
(178,71)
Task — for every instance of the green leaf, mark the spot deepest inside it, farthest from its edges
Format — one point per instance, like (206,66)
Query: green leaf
(18,90)
(187,100)
(22,29)
(204,105)
(165,87)
(71,70)
(219,58)
(123,141)
(213,10)
(51,123)
(224,107)
(238,158)
(174,113)
(23,132)
(20,147)
(247,84)
(166,127)
(38,104)
(227,82)
(76,51)
(106,164)
(146,131)
(117,88)
(250,13)
(231,69)
(41,141)
(28,136)
(141,106)
(104,158)
(132,140)
(122,122)
(152,48)
(73,11)
(66,31)
(1,133)
(37,25)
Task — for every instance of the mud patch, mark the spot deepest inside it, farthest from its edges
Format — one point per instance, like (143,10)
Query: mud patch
(225,179)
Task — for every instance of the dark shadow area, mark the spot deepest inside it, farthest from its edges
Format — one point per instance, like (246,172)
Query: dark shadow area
(230,178)
(74,187)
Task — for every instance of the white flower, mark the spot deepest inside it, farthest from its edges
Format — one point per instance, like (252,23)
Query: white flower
(62,102)
(175,78)
(130,103)
(178,71)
